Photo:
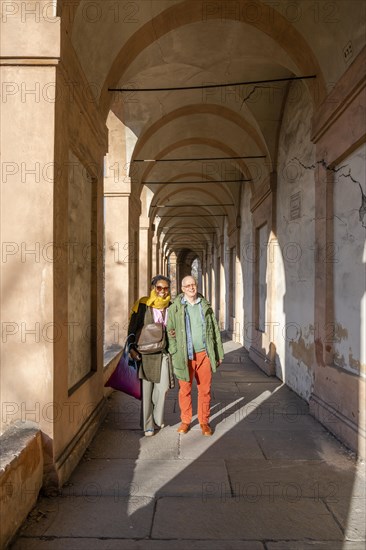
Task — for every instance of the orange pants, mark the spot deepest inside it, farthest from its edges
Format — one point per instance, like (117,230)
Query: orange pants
(199,368)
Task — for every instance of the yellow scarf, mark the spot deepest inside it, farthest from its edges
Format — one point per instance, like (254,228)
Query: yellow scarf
(153,300)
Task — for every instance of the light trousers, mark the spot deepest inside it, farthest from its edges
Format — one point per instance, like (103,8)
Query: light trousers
(200,369)
(153,398)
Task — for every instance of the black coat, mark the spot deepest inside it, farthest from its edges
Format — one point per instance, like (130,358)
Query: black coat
(150,365)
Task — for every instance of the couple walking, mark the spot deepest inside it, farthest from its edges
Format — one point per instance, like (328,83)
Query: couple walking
(194,349)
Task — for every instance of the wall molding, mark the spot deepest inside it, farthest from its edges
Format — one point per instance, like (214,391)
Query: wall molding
(344,93)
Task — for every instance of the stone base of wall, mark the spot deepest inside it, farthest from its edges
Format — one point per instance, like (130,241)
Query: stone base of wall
(71,456)
(264,362)
(347,431)
(21,473)
(338,402)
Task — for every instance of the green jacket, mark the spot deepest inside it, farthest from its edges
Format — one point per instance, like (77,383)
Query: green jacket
(178,344)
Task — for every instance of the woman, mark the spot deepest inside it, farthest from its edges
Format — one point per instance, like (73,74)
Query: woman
(154,368)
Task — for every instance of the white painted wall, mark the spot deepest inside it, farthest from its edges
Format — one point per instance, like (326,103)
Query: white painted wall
(247,265)
(293,260)
(349,263)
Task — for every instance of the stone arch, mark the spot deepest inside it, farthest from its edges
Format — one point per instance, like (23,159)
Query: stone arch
(209,109)
(270,22)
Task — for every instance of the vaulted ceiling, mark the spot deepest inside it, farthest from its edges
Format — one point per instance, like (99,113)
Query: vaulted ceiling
(158,44)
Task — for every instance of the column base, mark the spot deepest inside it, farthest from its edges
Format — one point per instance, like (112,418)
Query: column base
(263,361)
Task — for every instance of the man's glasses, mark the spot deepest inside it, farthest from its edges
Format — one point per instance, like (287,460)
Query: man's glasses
(190,286)
(160,288)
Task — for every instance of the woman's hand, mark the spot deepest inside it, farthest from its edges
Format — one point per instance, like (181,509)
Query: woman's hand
(135,355)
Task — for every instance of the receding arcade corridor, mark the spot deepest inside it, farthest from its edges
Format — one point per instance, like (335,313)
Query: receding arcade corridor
(223,139)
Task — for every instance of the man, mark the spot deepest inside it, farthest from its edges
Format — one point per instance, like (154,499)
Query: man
(196,349)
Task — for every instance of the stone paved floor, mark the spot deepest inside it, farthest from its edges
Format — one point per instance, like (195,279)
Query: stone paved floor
(270,478)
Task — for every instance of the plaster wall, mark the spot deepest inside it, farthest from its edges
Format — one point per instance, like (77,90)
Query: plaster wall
(293,258)
(246,257)
(238,296)
(263,348)
(224,282)
(349,257)
(81,267)
(79,131)
(27,150)
(117,249)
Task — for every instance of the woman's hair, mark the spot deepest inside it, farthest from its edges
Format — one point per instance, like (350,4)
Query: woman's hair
(157,278)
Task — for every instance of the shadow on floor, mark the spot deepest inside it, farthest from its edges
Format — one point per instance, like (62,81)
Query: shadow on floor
(270,478)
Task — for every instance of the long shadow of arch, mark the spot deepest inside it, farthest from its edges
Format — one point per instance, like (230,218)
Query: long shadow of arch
(270,475)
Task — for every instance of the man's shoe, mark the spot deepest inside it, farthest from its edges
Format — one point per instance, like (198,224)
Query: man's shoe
(149,433)
(206,430)
(183,428)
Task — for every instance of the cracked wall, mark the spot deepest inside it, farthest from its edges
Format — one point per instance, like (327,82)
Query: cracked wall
(293,260)
(349,258)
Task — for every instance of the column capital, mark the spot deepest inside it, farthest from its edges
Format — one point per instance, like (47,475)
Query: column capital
(30,33)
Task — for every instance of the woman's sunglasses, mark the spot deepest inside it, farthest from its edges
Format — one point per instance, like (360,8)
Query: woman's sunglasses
(160,288)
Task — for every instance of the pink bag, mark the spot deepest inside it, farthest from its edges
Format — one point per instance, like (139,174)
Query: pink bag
(125,376)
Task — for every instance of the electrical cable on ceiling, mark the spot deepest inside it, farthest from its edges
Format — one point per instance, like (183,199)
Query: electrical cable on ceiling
(202,86)
(200,159)
(201,181)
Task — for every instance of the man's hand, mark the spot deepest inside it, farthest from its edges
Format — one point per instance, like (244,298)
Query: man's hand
(172,333)
(219,362)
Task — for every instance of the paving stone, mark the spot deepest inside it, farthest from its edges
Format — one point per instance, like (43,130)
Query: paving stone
(251,417)
(280,399)
(220,445)
(240,365)
(219,518)
(244,374)
(93,516)
(221,387)
(131,544)
(351,514)
(125,414)
(314,545)
(121,478)
(132,444)
(281,479)
(294,445)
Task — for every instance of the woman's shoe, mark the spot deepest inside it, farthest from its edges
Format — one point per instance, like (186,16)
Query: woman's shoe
(148,433)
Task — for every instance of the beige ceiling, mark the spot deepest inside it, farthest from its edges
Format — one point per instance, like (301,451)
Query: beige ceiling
(174,43)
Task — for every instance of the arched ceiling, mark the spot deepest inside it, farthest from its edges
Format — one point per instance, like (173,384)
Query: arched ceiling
(181,43)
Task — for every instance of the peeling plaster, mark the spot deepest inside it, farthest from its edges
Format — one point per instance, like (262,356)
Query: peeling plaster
(339,333)
(303,352)
(355,363)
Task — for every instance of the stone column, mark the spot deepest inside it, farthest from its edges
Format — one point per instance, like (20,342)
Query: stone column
(144,257)
(30,52)
(155,256)
(175,285)
(222,298)
(118,252)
